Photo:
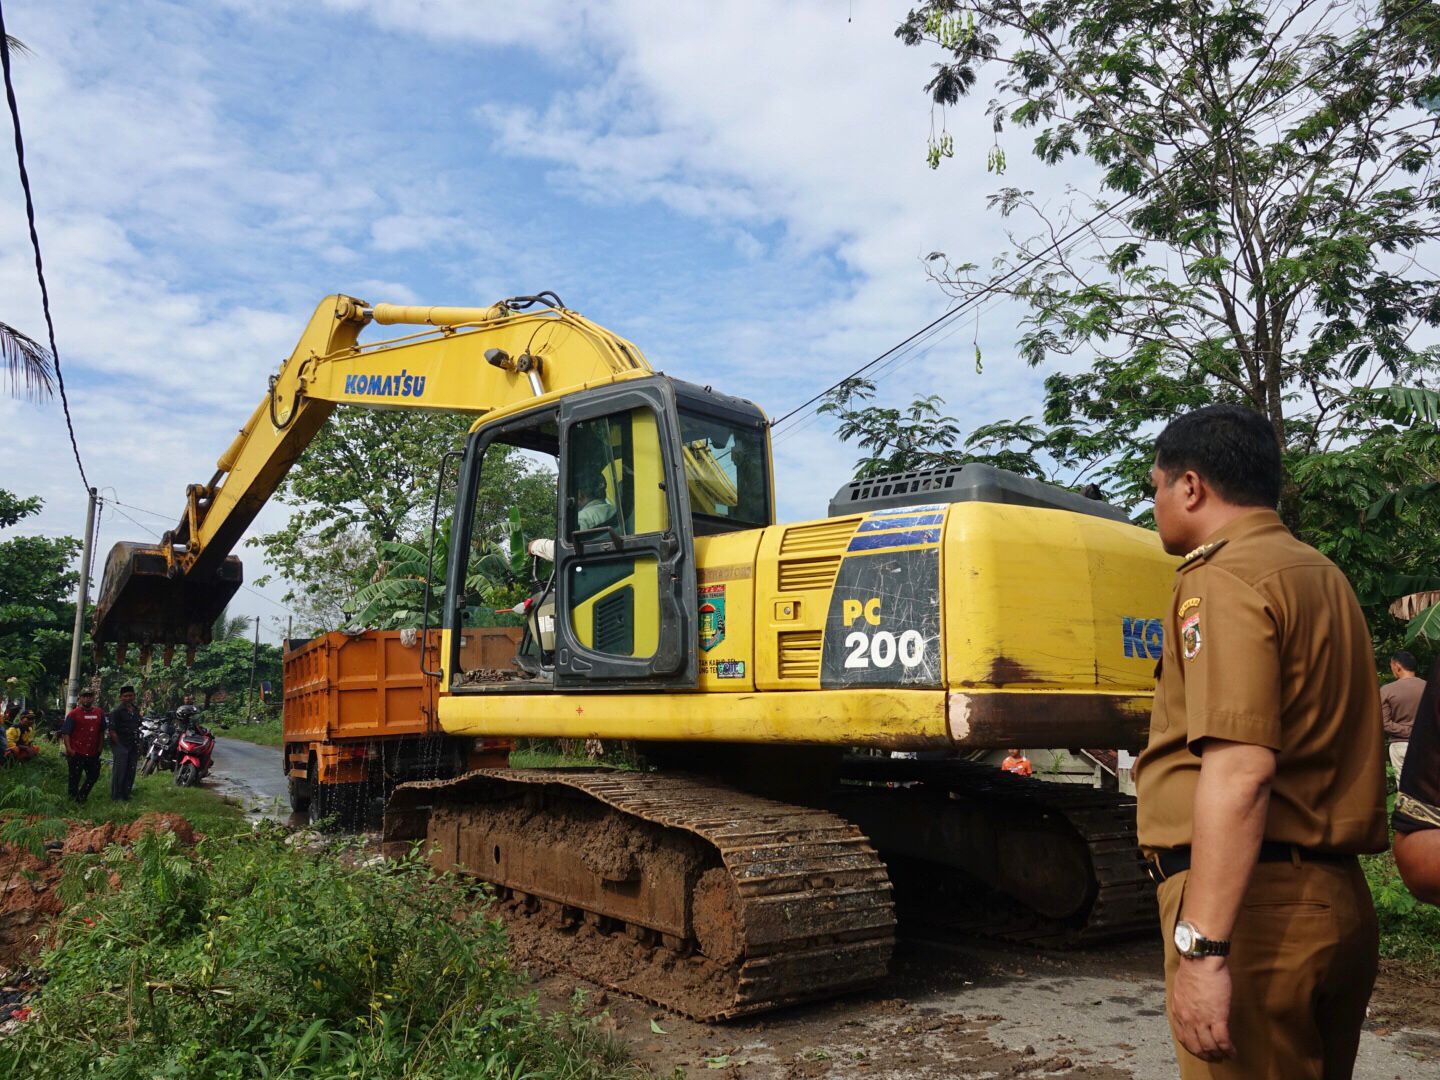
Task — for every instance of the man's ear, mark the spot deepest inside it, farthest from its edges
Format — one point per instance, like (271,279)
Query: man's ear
(1194,489)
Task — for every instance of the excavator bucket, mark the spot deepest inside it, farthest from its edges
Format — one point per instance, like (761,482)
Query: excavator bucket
(141,603)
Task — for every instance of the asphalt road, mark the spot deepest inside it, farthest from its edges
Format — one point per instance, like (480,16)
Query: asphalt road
(957,1008)
(252,775)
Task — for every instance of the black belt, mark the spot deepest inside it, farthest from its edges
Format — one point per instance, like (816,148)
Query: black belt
(1166,864)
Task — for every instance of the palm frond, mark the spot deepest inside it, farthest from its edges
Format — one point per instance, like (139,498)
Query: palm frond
(29,365)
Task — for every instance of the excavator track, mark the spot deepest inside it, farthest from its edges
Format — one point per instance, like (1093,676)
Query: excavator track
(676,889)
(1092,830)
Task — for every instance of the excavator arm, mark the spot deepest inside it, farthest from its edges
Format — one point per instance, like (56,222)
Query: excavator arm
(468,360)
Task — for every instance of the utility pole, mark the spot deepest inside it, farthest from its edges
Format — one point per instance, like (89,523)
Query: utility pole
(289,631)
(254,658)
(82,596)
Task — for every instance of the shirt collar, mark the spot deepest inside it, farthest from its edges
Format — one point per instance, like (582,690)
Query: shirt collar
(1252,521)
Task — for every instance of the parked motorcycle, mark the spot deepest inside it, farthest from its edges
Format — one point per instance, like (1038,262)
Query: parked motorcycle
(193,748)
(194,751)
(158,740)
(153,729)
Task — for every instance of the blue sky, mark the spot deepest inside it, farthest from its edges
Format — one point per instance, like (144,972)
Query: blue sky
(740,189)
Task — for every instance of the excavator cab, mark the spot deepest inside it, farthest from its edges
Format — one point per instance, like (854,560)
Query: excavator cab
(643,467)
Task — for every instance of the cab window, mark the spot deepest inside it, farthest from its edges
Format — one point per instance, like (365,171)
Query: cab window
(615,476)
(725,471)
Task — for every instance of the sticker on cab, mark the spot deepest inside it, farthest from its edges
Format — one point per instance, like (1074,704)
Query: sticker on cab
(712,616)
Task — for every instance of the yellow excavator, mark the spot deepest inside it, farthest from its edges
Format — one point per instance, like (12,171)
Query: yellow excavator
(809,697)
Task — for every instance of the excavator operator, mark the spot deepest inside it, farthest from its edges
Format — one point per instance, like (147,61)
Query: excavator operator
(594,510)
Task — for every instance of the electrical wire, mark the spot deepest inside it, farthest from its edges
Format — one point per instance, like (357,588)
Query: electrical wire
(35,242)
(991,287)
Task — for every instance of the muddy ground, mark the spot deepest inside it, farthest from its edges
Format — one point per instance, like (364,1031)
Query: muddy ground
(954,1008)
(28,881)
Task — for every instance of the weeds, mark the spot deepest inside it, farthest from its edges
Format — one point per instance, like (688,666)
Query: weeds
(249,957)
(1409,930)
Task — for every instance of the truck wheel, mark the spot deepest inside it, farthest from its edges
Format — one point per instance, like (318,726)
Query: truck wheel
(299,795)
(332,806)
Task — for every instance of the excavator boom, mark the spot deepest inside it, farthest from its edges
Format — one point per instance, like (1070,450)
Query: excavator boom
(466,360)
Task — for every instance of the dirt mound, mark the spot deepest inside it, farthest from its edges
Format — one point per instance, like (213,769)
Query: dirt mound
(96,838)
(28,900)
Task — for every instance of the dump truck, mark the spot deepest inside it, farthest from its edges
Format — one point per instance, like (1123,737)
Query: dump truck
(360,717)
(770,673)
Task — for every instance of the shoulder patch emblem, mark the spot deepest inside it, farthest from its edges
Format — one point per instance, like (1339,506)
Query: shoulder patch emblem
(1187,606)
(1190,639)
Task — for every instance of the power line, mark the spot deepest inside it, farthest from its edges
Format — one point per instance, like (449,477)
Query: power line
(996,283)
(973,298)
(141,509)
(35,241)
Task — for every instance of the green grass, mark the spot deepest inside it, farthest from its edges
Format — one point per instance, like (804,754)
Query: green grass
(247,956)
(205,810)
(264,732)
(567,754)
(1409,930)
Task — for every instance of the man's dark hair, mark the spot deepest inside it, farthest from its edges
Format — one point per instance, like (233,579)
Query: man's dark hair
(127,689)
(591,483)
(1233,448)
(1406,659)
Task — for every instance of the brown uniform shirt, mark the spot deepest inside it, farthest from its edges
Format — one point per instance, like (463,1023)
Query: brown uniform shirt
(1265,643)
(1399,702)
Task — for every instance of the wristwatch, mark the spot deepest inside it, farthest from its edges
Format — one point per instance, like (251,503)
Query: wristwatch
(1192,945)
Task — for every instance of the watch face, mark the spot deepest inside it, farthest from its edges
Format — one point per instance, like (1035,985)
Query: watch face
(1184,937)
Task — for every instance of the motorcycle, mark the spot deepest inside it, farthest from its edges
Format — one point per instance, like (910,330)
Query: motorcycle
(193,749)
(158,738)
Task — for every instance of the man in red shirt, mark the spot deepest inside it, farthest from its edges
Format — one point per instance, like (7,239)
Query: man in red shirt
(81,735)
(1016,762)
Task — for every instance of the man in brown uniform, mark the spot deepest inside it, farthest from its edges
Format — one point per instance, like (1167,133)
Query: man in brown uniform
(1263,776)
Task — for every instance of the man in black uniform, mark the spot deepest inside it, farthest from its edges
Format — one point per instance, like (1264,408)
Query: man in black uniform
(124,729)
(1417,804)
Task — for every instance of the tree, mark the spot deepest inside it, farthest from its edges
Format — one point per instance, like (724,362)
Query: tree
(222,665)
(922,437)
(366,482)
(1265,192)
(36,612)
(367,477)
(1265,188)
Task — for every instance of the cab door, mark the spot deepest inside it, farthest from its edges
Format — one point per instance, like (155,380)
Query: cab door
(624,556)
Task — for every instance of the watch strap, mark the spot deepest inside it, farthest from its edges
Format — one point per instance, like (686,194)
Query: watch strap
(1207,947)
(1201,946)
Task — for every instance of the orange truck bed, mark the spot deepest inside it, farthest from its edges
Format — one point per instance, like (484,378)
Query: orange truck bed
(360,715)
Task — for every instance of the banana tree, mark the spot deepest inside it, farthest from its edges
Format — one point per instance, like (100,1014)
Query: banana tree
(495,579)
